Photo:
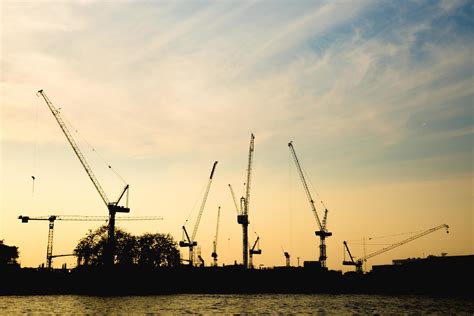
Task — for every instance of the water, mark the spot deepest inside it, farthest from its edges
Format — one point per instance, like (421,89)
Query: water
(233,304)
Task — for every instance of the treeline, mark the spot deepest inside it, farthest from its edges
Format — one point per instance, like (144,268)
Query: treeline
(147,250)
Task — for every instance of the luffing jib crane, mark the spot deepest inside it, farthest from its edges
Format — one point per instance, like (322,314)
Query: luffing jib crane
(189,241)
(255,250)
(287,258)
(112,207)
(243,217)
(358,262)
(201,261)
(53,218)
(322,232)
(214,243)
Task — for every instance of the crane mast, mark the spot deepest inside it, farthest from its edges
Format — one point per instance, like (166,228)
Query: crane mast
(243,217)
(112,207)
(53,218)
(189,241)
(323,232)
(214,243)
(358,263)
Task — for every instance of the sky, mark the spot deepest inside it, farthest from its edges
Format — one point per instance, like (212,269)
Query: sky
(377,97)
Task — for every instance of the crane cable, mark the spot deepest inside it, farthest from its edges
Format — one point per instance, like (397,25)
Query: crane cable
(394,235)
(314,188)
(35,153)
(91,147)
(194,204)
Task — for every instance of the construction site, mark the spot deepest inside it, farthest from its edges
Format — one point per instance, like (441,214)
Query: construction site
(433,274)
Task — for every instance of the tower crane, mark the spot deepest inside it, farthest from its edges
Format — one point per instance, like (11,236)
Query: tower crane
(287,257)
(189,241)
(52,218)
(243,216)
(358,262)
(255,250)
(322,232)
(112,207)
(214,243)
(201,261)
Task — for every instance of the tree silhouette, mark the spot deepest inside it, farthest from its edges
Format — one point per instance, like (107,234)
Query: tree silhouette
(8,254)
(157,250)
(150,250)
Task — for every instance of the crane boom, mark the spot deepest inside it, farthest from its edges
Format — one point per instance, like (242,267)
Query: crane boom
(352,262)
(429,231)
(25,219)
(234,199)
(305,185)
(358,263)
(217,228)
(74,146)
(249,173)
(203,202)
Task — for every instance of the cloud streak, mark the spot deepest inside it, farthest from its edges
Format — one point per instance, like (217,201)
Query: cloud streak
(175,77)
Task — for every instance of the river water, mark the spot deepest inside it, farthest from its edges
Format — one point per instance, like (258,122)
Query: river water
(233,304)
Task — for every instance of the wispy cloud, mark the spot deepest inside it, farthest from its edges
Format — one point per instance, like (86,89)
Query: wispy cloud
(176,77)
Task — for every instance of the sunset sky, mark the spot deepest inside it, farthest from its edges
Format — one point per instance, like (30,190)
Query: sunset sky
(377,97)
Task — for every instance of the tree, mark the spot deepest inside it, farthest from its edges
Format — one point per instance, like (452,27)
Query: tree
(90,249)
(150,250)
(8,254)
(157,250)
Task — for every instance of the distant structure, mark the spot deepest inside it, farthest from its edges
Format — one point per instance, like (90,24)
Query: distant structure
(214,243)
(287,258)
